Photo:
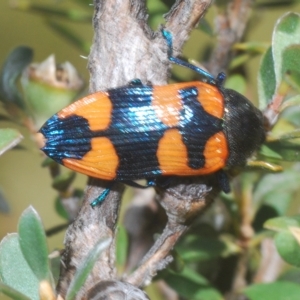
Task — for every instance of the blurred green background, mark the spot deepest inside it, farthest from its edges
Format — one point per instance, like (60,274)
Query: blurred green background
(22,179)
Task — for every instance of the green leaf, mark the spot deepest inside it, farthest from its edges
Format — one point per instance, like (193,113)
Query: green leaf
(203,248)
(266,80)
(209,293)
(279,290)
(59,208)
(283,126)
(291,64)
(156,7)
(292,114)
(192,285)
(12,293)
(122,246)
(48,162)
(237,83)
(15,63)
(177,265)
(85,268)
(292,135)
(239,60)
(55,263)
(285,150)
(288,247)
(286,33)
(43,97)
(269,153)
(194,276)
(276,190)
(287,240)
(206,27)
(9,138)
(14,269)
(293,80)
(252,47)
(33,244)
(285,134)
(282,224)
(63,181)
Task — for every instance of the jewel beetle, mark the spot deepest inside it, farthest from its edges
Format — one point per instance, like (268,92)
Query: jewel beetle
(142,131)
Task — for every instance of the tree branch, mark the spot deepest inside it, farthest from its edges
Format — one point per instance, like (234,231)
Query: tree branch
(125,48)
(230,26)
(182,18)
(184,201)
(90,226)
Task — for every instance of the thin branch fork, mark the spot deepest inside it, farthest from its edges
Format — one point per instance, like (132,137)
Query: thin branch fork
(160,258)
(182,202)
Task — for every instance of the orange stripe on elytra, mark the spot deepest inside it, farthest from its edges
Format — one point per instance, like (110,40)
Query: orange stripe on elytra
(167,104)
(101,161)
(211,99)
(172,154)
(216,152)
(95,108)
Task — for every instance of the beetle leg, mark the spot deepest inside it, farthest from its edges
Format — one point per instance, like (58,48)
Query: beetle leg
(150,182)
(103,195)
(223,181)
(135,82)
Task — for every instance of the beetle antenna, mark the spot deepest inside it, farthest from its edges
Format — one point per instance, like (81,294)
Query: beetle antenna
(206,76)
(168,37)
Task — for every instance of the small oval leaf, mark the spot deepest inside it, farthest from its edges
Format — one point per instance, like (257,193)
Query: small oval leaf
(266,80)
(291,62)
(286,33)
(15,63)
(63,181)
(276,190)
(192,285)
(121,246)
(12,293)
(33,244)
(9,138)
(237,83)
(282,224)
(288,248)
(286,150)
(14,269)
(280,290)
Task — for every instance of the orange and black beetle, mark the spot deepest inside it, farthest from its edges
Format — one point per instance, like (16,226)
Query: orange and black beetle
(142,132)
